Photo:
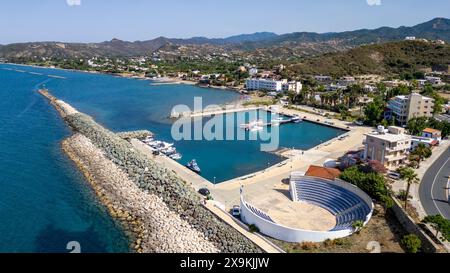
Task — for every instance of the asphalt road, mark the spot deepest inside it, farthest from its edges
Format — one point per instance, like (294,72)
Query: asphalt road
(433,190)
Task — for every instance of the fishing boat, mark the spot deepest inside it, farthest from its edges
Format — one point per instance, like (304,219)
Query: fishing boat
(193,166)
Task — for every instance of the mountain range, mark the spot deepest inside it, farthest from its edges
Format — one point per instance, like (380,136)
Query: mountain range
(265,44)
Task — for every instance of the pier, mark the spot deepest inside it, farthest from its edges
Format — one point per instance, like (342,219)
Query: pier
(221,111)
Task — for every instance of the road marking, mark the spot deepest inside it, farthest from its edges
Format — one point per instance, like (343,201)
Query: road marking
(432,186)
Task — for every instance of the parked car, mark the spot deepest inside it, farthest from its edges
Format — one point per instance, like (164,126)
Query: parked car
(393,175)
(359,123)
(236,211)
(204,191)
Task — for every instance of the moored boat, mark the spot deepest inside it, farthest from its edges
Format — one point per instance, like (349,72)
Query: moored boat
(193,166)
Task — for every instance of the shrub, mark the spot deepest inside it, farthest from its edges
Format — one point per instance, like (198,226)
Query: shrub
(441,225)
(340,242)
(372,183)
(411,243)
(309,246)
(253,228)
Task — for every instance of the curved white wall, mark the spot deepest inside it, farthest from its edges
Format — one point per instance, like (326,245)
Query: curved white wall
(293,235)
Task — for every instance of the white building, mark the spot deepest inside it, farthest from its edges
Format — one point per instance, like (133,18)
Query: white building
(346,81)
(410,38)
(293,86)
(434,80)
(265,84)
(321,78)
(252,71)
(335,87)
(415,105)
(389,147)
(370,88)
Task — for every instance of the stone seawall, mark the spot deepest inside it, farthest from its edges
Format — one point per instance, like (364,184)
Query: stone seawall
(207,233)
(145,218)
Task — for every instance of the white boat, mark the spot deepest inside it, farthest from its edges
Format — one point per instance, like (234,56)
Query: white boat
(176,156)
(296,119)
(251,125)
(278,119)
(169,151)
(256,128)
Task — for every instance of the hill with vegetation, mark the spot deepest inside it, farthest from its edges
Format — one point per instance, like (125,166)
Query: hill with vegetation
(396,58)
(257,45)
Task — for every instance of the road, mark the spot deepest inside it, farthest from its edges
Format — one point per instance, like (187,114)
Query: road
(433,190)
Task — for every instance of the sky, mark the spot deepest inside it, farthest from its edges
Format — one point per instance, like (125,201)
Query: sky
(132,20)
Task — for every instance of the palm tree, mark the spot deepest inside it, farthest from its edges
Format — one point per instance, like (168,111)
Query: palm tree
(410,177)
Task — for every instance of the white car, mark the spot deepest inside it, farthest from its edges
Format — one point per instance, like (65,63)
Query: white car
(236,211)
(395,176)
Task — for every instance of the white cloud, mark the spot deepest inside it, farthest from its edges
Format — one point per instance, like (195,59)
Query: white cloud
(374,2)
(73,2)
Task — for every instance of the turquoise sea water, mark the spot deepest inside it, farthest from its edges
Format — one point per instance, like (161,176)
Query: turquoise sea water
(44,202)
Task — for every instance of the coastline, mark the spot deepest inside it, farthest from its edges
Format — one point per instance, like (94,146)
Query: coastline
(132,208)
(129,224)
(158,211)
(156,82)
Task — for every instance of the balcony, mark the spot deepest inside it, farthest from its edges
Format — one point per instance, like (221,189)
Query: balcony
(395,157)
(397,149)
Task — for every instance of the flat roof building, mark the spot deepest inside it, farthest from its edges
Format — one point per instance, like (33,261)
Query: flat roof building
(265,84)
(414,105)
(389,147)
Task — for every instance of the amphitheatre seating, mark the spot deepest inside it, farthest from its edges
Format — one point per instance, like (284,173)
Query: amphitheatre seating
(344,204)
(259,212)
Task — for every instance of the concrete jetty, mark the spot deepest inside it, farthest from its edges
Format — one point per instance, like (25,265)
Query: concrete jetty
(221,111)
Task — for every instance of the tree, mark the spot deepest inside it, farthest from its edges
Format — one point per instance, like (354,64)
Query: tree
(439,101)
(374,112)
(441,225)
(372,183)
(410,177)
(397,91)
(422,152)
(415,126)
(411,243)
(358,226)
(414,161)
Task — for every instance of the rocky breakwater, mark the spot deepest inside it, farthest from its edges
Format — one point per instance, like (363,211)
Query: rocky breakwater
(160,211)
(135,134)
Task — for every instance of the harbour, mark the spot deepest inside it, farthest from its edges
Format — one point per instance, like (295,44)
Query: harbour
(109,100)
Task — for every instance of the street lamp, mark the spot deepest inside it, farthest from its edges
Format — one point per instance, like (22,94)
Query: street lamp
(214,180)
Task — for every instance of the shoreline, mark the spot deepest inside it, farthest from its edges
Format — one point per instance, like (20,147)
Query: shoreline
(156,82)
(126,223)
(157,210)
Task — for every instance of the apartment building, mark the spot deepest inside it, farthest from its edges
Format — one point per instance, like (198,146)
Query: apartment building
(434,80)
(404,108)
(293,86)
(265,84)
(389,147)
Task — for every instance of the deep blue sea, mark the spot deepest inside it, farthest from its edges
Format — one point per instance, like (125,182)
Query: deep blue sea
(44,201)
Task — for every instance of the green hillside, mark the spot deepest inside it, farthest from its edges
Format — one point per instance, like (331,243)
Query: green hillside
(389,58)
